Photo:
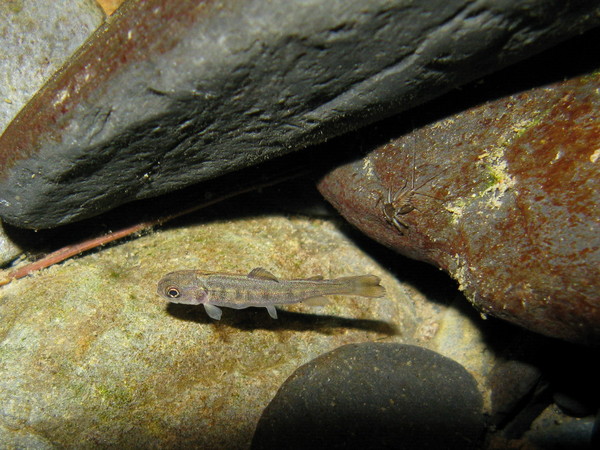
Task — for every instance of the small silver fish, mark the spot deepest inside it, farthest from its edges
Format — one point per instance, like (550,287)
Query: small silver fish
(258,288)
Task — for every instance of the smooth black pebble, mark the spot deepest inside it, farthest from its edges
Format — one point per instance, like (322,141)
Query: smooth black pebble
(375,395)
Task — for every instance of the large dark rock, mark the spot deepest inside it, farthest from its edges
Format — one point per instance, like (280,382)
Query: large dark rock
(375,396)
(171,93)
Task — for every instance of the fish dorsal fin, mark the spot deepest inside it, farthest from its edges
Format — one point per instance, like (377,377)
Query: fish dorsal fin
(315,278)
(262,274)
(316,301)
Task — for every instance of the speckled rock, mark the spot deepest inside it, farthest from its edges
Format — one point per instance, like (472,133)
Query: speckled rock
(9,250)
(503,197)
(171,93)
(375,396)
(36,38)
(519,395)
(566,434)
(91,356)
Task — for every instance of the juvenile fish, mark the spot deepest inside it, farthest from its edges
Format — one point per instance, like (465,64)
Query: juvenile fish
(258,288)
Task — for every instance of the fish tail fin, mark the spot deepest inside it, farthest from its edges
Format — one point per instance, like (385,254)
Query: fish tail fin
(362,285)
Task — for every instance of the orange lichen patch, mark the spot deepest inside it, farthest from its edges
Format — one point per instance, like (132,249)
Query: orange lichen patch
(109,6)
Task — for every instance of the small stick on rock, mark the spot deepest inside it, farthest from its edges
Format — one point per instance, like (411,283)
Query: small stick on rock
(75,249)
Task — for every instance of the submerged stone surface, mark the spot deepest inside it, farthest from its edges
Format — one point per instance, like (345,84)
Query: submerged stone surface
(502,196)
(375,396)
(91,356)
(171,93)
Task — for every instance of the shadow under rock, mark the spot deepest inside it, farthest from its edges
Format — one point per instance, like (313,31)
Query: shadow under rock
(433,283)
(257,318)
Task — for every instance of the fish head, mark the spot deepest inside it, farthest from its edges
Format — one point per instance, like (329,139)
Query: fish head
(183,286)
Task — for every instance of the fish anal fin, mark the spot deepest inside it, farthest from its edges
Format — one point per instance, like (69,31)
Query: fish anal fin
(316,301)
(272,311)
(214,312)
(262,274)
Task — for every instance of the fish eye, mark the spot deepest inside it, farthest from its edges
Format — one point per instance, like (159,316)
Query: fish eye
(173,292)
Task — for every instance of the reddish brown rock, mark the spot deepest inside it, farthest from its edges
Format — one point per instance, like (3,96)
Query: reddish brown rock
(504,197)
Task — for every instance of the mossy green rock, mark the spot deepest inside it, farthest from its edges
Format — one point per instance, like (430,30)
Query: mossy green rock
(90,355)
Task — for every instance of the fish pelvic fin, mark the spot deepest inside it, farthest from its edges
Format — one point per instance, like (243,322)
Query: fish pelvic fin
(214,312)
(272,311)
(362,285)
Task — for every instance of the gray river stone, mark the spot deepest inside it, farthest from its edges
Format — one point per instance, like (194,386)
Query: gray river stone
(36,38)
(168,94)
(9,250)
(375,395)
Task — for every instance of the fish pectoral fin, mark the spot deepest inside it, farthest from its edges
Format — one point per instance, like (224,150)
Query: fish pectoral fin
(272,311)
(214,312)
(317,301)
(262,274)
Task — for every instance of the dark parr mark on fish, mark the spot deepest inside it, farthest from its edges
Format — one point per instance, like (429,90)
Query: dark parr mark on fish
(258,288)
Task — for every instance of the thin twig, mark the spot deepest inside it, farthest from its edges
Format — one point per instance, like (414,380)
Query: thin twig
(75,249)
